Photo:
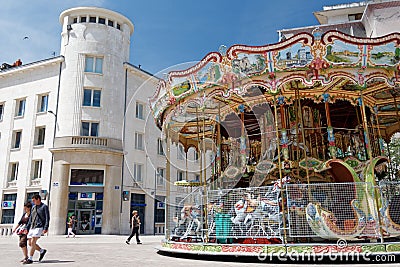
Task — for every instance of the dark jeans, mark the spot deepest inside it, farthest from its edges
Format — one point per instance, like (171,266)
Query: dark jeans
(135,231)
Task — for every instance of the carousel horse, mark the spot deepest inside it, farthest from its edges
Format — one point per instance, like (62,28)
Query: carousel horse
(188,216)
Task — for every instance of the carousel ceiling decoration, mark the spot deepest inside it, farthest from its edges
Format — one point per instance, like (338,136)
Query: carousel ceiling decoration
(313,64)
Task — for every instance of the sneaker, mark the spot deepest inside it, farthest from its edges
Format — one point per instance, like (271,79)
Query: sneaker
(127,242)
(24,259)
(27,261)
(139,243)
(42,254)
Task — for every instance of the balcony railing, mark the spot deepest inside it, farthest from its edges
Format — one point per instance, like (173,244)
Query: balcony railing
(88,142)
(6,229)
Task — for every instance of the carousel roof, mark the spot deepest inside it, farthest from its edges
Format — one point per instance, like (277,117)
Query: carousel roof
(321,67)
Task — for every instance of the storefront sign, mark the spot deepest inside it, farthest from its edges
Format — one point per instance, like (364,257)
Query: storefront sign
(86,196)
(7,205)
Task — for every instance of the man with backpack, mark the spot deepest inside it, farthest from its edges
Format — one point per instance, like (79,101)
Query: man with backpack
(38,224)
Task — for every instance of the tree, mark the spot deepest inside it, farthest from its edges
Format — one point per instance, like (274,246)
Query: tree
(393,153)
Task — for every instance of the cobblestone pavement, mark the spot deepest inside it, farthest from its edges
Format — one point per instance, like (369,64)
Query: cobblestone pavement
(101,250)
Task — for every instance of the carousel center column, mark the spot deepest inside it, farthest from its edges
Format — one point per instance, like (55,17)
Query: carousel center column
(59,197)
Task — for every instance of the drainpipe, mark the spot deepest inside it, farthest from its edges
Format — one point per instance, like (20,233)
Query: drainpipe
(54,132)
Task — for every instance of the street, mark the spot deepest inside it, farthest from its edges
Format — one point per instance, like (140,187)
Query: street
(103,250)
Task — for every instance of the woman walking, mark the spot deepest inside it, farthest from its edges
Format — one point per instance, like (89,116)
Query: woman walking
(21,230)
(71,226)
(135,223)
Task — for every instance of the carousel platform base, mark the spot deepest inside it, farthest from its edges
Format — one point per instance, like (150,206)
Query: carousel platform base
(388,252)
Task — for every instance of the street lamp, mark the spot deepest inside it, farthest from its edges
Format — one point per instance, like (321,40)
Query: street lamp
(52,155)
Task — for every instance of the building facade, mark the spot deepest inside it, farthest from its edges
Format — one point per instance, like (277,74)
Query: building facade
(76,129)
(369,19)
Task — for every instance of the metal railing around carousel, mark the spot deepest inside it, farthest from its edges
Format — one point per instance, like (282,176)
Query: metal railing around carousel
(313,212)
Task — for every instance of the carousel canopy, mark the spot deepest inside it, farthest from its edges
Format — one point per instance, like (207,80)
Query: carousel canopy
(332,67)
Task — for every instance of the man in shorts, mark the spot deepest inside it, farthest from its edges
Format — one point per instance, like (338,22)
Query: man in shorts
(38,224)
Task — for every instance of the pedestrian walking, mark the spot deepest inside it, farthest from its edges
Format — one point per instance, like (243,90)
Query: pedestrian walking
(71,226)
(21,231)
(38,224)
(135,224)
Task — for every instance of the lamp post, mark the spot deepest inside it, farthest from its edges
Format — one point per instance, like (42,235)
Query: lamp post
(52,154)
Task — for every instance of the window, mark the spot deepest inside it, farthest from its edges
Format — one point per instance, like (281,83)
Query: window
(87,177)
(13,171)
(83,19)
(180,176)
(111,23)
(118,26)
(20,108)
(30,195)
(160,177)
(196,156)
(92,19)
(353,17)
(1,111)
(8,212)
(94,64)
(90,129)
(43,100)
(75,20)
(102,20)
(180,152)
(137,172)
(160,147)
(91,97)
(139,141)
(37,169)
(197,177)
(17,139)
(39,136)
(139,110)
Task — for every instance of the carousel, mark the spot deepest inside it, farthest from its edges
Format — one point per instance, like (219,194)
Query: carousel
(290,139)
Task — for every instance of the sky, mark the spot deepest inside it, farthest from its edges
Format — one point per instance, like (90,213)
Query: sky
(166,32)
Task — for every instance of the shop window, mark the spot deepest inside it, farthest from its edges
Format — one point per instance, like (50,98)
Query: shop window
(8,208)
(87,177)
(160,209)
(102,21)
(111,23)
(83,19)
(92,19)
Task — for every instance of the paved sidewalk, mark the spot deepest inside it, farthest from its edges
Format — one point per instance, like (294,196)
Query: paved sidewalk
(102,250)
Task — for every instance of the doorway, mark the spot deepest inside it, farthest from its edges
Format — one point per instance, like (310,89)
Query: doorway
(85,222)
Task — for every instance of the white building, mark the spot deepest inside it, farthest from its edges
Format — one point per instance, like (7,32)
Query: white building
(76,128)
(371,19)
